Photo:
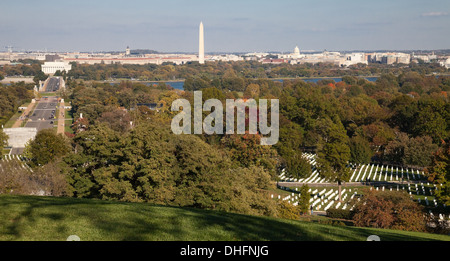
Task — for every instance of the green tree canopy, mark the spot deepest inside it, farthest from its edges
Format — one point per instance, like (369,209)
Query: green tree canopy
(3,140)
(303,202)
(439,173)
(151,164)
(334,154)
(47,146)
(360,150)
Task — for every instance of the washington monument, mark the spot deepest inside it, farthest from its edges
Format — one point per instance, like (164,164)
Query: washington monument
(201,45)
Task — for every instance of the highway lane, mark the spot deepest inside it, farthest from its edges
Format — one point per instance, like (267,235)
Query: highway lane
(43,116)
(53,84)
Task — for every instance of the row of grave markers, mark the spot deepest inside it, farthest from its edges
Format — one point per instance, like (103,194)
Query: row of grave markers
(323,199)
(369,172)
(21,160)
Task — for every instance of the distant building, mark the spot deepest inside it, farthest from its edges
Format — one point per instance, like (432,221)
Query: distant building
(225,57)
(254,56)
(128,51)
(146,59)
(52,57)
(424,57)
(294,55)
(296,51)
(353,58)
(274,61)
(52,67)
(446,63)
(389,58)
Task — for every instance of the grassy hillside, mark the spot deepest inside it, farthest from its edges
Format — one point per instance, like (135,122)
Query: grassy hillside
(46,218)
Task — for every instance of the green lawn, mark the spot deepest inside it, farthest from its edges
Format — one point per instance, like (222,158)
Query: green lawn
(32,218)
(12,120)
(67,126)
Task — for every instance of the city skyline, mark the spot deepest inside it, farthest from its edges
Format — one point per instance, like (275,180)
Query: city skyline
(231,26)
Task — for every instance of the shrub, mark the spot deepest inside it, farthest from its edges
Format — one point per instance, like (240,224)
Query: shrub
(287,211)
(389,209)
(340,213)
(46,180)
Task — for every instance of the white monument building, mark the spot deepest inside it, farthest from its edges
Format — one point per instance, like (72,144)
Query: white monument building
(52,67)
(296,53)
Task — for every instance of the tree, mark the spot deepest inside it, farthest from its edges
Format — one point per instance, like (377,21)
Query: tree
(40,76)
(296,165)
(46,180)
(150,164)
(360,150)
(410,151)
(404,108)
(246,150)
(389,209)
(47,146)
(303,202)
(51,180)
(27,150)
(439,173)
(117,119)
(431,120)
(334,154)
(378,133)
(212,93)
(252,91)
(3,140)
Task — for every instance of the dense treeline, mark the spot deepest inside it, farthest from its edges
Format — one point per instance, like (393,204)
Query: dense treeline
(240,69)
(393,121)
(29,69)
(11,97)
(397,119)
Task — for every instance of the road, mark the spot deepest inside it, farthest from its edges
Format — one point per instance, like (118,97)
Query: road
(53,84)
(43,116)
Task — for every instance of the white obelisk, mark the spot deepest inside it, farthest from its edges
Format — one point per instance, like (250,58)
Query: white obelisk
(201,45)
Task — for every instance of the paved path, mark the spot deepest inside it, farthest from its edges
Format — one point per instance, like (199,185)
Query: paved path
(61,119)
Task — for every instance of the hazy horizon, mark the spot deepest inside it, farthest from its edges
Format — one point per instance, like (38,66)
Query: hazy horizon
(230,26)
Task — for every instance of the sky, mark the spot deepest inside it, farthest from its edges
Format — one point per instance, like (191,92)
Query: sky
(229,25)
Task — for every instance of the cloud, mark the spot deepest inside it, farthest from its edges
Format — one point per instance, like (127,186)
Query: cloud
(434,14)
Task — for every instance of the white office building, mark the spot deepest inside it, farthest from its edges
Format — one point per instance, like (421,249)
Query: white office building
(353,58)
